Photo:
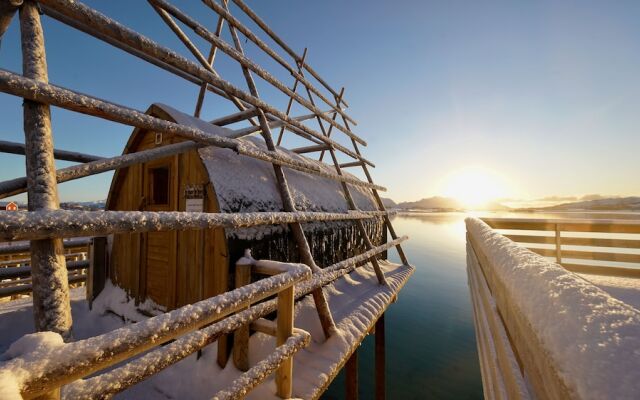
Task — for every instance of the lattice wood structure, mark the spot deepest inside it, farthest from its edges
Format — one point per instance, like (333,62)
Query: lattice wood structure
(45,225)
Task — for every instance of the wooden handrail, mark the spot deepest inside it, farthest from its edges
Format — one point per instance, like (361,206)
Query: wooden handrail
(554,232)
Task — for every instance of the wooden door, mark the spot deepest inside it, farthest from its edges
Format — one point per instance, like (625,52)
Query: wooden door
(160,248)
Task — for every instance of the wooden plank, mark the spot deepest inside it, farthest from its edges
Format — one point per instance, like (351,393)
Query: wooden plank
(600,242)
(601,256)
(284,374)
(241,335)
(566,225)
(603,270)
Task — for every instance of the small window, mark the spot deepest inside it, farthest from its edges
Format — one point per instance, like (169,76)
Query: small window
(160,186)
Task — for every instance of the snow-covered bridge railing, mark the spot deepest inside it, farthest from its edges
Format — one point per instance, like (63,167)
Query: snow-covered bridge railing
(596,246)
(543,331)
(15,265)
(191,328)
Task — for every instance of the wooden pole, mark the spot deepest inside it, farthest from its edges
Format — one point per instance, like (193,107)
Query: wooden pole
(282,44)
(558,244)
(7,9)
(350,202)
(322,307)
(380,359)
(19,148)
(351,378)
(223,11)
(284,329)
(290,102)
(248,63)
(381,206)
(102,26)
(51,304)
(241,335)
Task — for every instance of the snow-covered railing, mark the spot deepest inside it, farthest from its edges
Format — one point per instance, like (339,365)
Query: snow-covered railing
(611,247)
(66,363)
(544,332)
(62,223)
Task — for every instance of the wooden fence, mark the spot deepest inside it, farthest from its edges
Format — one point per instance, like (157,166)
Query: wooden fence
(611,247)
(15,266)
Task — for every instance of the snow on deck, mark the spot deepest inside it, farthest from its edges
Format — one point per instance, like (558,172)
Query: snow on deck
(356,301)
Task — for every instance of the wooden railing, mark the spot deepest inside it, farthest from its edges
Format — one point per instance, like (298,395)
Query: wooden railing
(602,242)
(550,334)
(15,266)
(190,328)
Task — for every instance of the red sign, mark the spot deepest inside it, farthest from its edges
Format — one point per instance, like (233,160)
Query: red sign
(11,207)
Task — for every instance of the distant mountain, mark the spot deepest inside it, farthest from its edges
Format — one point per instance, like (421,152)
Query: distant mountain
(83,205)
(611,204)
(388,203)
(432,203)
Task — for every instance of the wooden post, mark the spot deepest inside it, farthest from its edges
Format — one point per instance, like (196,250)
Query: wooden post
(97,268)
(284,329)
(558,245)
(241,335)
(380,359)
(51,305)
(351,378)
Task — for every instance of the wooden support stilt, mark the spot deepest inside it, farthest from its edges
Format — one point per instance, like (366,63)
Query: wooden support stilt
(380,359)
(351,378)
(51,304)
(322,307)
(241,335)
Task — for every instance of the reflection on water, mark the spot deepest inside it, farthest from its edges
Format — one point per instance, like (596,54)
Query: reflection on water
(431,349)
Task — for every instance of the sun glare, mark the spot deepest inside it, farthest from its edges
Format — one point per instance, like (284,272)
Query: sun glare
(474,186)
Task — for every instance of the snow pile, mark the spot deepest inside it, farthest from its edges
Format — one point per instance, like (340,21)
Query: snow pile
(592,337)
(114,299)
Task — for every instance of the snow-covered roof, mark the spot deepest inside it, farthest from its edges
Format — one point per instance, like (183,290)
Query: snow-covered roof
(245,184)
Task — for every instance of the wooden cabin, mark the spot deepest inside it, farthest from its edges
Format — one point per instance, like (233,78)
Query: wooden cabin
(177,268)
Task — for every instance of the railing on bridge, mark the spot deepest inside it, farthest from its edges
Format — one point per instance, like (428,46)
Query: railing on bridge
(596,246)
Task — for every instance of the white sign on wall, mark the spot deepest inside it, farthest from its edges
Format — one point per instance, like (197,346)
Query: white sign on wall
(194,205)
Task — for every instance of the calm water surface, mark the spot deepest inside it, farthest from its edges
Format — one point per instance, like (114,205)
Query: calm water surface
(431,347)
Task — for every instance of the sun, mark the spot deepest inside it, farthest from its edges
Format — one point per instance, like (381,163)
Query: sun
(474,186)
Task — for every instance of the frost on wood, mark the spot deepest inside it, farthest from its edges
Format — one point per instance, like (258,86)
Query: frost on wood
(80,358)
(258,373)
(62,223)
(357,299)
(591,337)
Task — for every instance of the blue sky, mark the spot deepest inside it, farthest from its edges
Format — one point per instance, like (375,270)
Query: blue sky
(543,94)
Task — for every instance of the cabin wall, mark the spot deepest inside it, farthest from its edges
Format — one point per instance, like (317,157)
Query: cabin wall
(200,269)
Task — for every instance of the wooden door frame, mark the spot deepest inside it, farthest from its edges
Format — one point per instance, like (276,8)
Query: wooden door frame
(174,188)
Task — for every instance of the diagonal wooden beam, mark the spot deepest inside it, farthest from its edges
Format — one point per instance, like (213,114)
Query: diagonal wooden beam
(322,306)
(290,103)
(347,195)
(381,206)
